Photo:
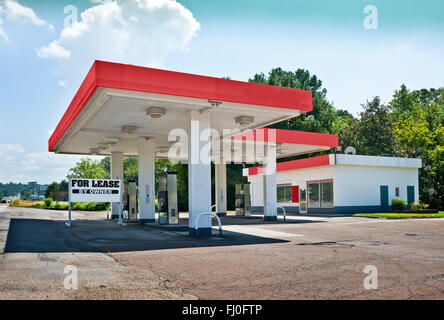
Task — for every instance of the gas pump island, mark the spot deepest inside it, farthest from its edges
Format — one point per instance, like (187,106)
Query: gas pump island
(167,198)
(124,110)
(167,205)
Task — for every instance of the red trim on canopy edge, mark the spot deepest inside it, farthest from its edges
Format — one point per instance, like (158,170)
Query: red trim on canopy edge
(289,136)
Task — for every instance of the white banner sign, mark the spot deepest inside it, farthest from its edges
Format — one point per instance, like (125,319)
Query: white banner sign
(95,190)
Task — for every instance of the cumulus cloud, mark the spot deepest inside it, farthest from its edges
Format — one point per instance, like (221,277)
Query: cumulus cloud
(53,50)
(141,32)
(9,152)
(13,11)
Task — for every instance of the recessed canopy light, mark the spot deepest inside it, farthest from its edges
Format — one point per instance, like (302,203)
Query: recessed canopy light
(282,151)
(111,140)
(244,120)
(129,129)
(155,112)
(163,149)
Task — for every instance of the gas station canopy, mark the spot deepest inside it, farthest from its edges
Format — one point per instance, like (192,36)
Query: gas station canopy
(123,110)
(117,103)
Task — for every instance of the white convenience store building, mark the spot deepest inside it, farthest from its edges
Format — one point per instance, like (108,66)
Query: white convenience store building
(339,184)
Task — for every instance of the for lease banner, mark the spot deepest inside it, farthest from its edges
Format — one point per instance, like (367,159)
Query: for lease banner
(95,190)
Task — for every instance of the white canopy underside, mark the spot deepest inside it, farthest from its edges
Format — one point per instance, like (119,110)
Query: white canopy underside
(108,110)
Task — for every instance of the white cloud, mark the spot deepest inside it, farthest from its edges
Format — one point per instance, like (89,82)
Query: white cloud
(62,83)
(46,167)
(39,161)
(141,32)
(9,152)
(2,32)
(53,50)
(13,11)
(16,12)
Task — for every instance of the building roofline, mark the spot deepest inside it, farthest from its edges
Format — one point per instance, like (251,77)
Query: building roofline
(341,160)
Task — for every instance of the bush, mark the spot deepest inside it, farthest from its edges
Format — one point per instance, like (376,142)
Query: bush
(64,206)
(398,204)
(91,206)
(48,202)
(415,206)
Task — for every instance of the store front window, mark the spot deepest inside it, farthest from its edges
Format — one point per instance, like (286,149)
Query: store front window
(320,194)
(313,194)
(284,193)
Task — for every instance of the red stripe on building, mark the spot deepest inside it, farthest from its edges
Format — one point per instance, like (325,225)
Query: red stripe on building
(294,164)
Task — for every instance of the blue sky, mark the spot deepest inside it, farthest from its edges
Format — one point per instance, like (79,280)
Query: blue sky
(42,61)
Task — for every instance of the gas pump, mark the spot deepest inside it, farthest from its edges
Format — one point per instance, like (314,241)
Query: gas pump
(242,199)
(130,199)
(167,198)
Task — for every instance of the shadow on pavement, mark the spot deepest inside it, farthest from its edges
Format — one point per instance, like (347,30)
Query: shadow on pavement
(36,235)
(43,236)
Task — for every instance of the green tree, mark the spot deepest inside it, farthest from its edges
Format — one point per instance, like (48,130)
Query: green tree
(63,185)
(418,118)
(50,188)
(375,129)
(321,119)
(131,169)
(88,169)
(26,194)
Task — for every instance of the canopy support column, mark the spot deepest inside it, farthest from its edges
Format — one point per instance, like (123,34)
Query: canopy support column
(221,189)
(116,173)
(199,172)
(146,180)
(270,191)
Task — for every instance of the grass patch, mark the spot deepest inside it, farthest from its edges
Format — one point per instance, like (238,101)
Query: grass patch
(440,214)
(59,205)
(26,203)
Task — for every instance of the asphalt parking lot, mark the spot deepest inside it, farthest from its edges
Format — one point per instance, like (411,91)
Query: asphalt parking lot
(303,258)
